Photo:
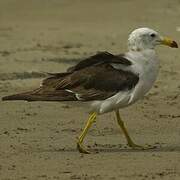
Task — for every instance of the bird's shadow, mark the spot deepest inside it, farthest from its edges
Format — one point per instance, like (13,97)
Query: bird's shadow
(124,150)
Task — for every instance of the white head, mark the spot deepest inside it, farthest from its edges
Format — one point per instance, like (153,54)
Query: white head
(146,38)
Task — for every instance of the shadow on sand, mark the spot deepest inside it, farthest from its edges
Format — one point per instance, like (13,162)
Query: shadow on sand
(122,150)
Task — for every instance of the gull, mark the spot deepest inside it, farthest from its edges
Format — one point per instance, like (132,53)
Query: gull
(105,81)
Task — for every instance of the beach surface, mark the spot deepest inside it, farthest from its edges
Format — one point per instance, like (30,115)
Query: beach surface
(38,139)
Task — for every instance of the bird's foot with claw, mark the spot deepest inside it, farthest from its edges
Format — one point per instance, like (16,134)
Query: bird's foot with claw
(81,149)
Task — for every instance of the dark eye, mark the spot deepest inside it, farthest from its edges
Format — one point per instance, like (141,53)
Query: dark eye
(153,35)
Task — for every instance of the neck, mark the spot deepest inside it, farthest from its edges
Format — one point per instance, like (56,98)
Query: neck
(141,50)
(142,55)
(138,48)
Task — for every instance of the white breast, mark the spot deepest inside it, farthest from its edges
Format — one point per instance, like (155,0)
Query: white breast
(146,65)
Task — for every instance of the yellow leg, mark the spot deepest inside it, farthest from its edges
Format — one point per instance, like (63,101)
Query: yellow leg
(128,138)
(90,121)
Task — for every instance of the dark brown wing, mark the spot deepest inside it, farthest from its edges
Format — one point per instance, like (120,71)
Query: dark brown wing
(91,79)
(98,82)
(100,58)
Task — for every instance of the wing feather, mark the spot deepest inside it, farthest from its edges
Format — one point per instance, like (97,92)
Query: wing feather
(91,79)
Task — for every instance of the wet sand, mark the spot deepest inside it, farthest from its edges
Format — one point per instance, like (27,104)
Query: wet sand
(38,140)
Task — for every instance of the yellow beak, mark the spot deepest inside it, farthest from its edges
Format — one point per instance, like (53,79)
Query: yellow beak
(168,42)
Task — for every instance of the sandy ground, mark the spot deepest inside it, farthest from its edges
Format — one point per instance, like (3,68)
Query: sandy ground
(38,140)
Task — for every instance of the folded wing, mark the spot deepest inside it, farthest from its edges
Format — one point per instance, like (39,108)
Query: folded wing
(91,79)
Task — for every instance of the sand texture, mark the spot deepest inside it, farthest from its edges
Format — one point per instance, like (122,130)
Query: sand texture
(38,140)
